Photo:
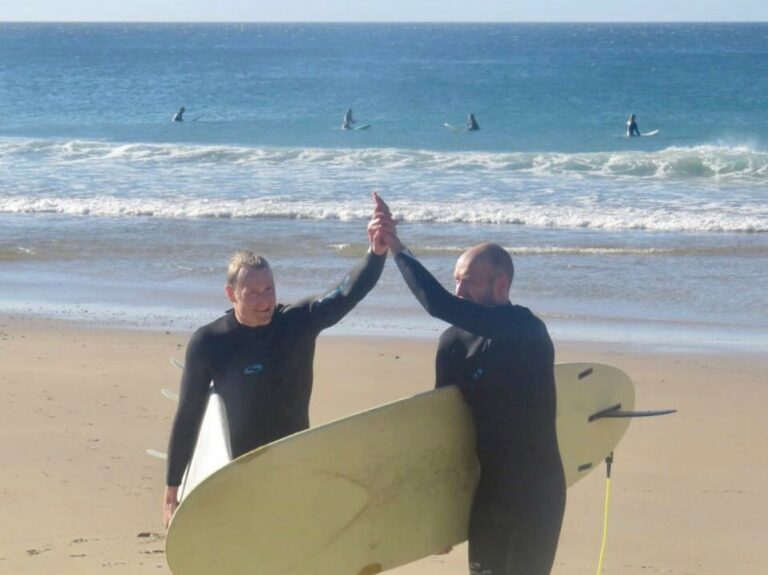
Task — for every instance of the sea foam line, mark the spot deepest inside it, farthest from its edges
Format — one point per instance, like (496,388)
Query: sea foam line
(654,218)
(707,162)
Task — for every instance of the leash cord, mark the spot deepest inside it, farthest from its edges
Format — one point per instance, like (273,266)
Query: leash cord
(608,463)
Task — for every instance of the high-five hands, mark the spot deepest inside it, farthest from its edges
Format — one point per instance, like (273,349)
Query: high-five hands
(382,229)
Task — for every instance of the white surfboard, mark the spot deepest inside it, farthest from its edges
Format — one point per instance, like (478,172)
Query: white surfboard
(212,448)
(644,134)
(374,490)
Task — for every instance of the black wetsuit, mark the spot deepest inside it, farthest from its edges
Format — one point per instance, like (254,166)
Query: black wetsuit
(632,129)
(502,359)
(263,374)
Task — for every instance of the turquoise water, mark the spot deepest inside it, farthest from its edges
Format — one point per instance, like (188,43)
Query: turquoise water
(108,210)
(533,87)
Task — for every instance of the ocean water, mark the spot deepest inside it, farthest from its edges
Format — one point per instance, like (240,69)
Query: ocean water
(111,212)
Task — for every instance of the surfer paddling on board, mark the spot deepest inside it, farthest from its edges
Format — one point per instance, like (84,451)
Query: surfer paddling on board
(501,357)
(179,116)
(259,357)
(632,129)
(472,125)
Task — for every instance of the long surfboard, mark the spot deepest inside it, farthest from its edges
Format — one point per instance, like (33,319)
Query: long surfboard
(646,134)
(374,490)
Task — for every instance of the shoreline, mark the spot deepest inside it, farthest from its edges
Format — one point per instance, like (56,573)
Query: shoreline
(83,404)
(642,336)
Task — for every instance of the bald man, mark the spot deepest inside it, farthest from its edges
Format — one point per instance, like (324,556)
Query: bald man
(502,358)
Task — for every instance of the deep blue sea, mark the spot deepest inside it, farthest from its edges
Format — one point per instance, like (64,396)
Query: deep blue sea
(111,212)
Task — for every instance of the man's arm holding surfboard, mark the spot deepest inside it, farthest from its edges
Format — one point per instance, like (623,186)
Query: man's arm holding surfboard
(193,397)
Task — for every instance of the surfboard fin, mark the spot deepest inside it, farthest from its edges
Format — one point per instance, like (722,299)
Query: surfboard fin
(156,453)
(615,411)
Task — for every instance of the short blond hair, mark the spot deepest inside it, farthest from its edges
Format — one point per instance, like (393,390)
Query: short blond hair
(244,259)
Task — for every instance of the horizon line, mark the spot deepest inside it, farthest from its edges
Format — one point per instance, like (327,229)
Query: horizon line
(628,21)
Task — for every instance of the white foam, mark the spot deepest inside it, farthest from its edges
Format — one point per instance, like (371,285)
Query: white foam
(658,219)
(700,162)
(706,188)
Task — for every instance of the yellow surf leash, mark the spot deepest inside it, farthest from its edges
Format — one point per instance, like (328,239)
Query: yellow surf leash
(608,463)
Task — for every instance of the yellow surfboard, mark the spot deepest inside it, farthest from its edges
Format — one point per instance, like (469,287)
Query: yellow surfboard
(375,490)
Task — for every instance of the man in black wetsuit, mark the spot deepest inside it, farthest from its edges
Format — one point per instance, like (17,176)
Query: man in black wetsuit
(472,125)
(632,129)
(346,124)
(502,358)
(259,357)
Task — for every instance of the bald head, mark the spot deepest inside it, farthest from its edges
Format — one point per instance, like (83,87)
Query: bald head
(484,274)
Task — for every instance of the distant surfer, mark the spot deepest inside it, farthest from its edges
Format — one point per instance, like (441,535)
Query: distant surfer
(632,129)
(346,124)
(259,357)
(472,125)
(501,357)
(179,116)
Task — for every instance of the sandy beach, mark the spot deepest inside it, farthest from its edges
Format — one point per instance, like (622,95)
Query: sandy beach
(79,495)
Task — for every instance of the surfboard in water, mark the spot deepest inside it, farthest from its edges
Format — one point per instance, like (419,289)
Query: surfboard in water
(374,490)
(644,134)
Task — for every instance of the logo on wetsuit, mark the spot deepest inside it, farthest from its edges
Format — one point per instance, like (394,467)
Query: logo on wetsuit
(478,374)
(253,369)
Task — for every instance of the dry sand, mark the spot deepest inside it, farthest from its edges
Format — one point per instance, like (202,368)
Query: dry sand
(80,405)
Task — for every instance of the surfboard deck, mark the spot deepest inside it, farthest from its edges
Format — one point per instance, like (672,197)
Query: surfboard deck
(374,490)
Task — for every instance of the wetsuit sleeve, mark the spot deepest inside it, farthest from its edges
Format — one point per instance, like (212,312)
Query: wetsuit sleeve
(485,321)
(330,308)
(193,398)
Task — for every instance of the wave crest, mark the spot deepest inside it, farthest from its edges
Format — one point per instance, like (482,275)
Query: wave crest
(708,162)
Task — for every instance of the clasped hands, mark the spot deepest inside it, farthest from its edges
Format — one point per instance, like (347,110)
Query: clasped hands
(382,229)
